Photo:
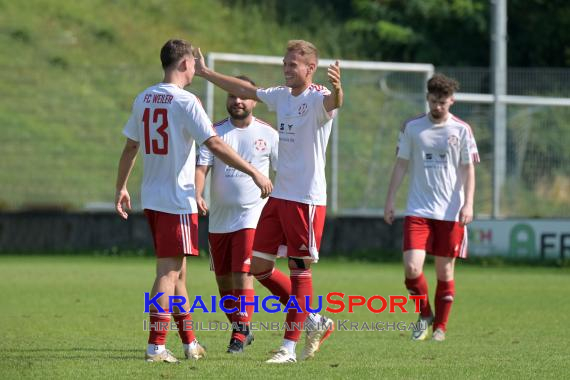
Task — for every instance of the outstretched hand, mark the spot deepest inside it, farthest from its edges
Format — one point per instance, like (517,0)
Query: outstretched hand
(335,99)
(333,73)
(200,63)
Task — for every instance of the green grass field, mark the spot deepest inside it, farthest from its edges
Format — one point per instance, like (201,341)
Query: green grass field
(72,317)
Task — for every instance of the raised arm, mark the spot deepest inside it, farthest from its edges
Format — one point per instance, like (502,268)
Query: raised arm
(222,150)
(398,173)
(466,212)
(240,88)
(126,163)
(336,97)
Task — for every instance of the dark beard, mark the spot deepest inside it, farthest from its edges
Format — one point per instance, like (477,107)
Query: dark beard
(436,118)
(240,116)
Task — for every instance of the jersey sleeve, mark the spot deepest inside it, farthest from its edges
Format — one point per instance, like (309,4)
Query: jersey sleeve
(404,147)
(270,96)
(205,157)
(318,97)
(131,129)
(469,151)
(199,125)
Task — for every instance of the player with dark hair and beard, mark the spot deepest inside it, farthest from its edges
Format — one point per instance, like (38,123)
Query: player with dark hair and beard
(235,208)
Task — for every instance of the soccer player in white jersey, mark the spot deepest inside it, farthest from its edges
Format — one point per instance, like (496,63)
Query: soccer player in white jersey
(164,123)
(235,208)
(440,151)
(295,213)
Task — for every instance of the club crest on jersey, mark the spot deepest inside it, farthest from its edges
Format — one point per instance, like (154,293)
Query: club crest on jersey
(303,108)
(260,145)
(453,140)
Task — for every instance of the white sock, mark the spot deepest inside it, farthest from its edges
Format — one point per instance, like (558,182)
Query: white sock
(289,345)
(190,346)
(153,349)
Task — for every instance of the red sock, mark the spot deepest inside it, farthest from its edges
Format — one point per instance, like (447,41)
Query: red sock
(277,283)
(159,324)
(417,287)
(184,328)
(228,304)
(242,319)
(444,296)
(301,286)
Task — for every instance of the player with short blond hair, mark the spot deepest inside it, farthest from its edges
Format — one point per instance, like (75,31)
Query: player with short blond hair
(304,48)
(164,123)
(440,150)
(294,216)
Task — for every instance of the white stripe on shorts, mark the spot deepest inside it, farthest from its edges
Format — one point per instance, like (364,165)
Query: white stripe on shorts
(185,226)
(464,243)
(312,241)
(182,232)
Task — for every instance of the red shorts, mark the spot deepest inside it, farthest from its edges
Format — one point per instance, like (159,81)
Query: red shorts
(173,234)
(297,225)
(436,237)
(231,252)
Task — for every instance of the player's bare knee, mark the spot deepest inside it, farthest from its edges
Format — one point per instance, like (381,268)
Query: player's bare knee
(412,270)
(261,264)
(444,274)
(242,280)
(224,281)
(171,277)
(168,276)
(298,263)
(444,268)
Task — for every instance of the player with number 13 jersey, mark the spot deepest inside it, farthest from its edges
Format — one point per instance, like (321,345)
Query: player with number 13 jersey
(168,178)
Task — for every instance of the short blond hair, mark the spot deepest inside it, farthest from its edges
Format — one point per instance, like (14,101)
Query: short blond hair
(304,48)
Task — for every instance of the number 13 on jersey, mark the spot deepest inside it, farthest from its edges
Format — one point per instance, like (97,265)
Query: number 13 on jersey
(158,147)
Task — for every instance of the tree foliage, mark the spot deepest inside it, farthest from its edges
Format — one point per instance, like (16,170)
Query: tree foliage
(443,32)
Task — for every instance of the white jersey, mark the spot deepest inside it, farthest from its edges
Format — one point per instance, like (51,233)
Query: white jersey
(435,153)
(236,201)
(166,120)
(304,127)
